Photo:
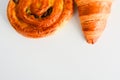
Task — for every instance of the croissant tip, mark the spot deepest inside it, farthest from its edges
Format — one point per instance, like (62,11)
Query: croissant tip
(91,41)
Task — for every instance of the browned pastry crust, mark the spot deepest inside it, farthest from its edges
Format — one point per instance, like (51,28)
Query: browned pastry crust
(93,15)
(38,18)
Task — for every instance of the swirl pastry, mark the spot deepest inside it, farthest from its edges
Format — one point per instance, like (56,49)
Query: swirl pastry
(93,15)
(38,18)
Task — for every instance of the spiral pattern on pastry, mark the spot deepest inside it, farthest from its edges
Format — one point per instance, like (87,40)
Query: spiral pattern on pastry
(38,18)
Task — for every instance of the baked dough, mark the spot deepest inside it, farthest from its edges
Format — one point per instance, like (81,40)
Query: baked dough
(93,17)
(38,18)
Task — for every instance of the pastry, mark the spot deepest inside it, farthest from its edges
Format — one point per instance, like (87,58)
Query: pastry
(38,18)
(93,17)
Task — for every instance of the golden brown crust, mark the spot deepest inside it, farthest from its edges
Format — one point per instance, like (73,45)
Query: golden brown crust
(93,15)
(38,18)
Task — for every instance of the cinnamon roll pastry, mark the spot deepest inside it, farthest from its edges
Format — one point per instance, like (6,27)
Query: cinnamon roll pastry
(93,16)
(38,18)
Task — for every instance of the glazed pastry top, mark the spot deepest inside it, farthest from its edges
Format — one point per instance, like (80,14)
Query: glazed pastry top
(38,18)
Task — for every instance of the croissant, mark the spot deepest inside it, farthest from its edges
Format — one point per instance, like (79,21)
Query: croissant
(93,17)
(38,18)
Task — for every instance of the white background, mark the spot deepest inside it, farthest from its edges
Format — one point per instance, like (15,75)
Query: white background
(63,56)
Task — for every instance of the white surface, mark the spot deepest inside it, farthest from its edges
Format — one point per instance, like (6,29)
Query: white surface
(63,56)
